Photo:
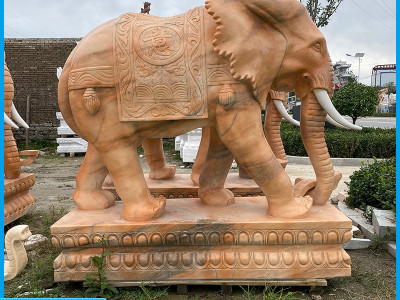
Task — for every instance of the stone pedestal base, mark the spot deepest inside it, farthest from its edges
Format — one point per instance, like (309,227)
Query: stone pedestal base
(181,186)
(192,242)
(17,200)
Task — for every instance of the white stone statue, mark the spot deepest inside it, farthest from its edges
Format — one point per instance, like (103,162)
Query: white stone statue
(16,253)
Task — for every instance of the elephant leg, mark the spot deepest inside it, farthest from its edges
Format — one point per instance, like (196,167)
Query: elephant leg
(242,172)
(214,173)
(89,194)
(242,133)
(153,150)
(201,155)
(123,163)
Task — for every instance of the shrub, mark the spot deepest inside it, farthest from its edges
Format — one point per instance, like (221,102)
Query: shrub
(369,142)
(374,185)
(356,100)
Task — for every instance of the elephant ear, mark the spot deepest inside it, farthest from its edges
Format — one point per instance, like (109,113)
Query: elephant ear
(251,34)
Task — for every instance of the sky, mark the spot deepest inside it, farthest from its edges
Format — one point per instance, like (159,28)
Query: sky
(366,26)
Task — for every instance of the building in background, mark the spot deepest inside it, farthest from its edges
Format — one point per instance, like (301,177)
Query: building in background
(342,75)
(383,75)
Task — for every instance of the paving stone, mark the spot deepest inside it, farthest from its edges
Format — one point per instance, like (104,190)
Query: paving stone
(355,216)
(341,196)
(384,222)
(356,243)
(391,247)
(367,230)
(34,241)
(358,220)
(356,231)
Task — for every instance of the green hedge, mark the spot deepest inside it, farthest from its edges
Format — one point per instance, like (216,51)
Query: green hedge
(384,115)
(373,185)
(366,143)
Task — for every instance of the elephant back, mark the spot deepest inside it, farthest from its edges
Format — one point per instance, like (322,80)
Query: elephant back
(158,67)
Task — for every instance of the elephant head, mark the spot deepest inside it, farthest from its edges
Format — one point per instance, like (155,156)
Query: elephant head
(12,161)
(275,45)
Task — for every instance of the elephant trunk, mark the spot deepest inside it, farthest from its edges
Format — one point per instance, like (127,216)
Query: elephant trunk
(12,167)
(272,125)
(312,132)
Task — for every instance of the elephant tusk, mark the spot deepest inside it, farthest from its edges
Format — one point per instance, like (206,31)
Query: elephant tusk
(15,115)
(59,70)
(333,122)
(327,105)
(8,121)
(284,113)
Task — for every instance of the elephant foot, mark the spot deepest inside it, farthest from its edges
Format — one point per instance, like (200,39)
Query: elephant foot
(150,210)
(297,208)
(195,178)
(94,200)
(222,197)
(164,173)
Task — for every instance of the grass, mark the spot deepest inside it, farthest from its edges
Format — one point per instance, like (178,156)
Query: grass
(38,144)
(267,293)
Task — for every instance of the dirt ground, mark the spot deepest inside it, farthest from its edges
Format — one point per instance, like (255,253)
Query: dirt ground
(373,271)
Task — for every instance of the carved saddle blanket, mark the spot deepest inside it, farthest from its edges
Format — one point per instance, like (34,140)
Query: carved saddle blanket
(160,67)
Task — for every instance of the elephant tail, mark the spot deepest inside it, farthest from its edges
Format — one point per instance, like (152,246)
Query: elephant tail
(63,96)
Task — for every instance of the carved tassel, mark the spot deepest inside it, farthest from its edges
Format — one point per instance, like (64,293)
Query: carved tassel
(91,101)
(227,96)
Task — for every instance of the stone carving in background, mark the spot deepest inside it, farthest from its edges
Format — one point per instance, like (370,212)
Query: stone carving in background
(17,199)
(146,8)
(16,253)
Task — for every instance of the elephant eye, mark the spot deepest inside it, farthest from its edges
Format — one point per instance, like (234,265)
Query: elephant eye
(317,46)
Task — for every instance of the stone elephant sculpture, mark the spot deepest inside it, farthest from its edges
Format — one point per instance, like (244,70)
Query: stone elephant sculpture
(12,161)
(140,76)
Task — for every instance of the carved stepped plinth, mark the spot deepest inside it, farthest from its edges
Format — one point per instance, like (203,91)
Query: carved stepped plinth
(17,199)
(181,186)
(194,243)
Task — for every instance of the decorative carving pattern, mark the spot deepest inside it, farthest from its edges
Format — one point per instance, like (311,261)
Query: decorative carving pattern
(91,77)
(91,101)
(177,69)
(206,260)
(227,96)
(219,74)
(144,70)
(17,200)
(210,238)
(160,66)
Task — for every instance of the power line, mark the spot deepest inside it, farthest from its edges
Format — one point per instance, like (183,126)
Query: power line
(388,6)
(372,16)
(26,21)
(15,31)
(385,10)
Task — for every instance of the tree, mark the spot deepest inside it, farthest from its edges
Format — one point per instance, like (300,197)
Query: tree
(356,100)
(321,14)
